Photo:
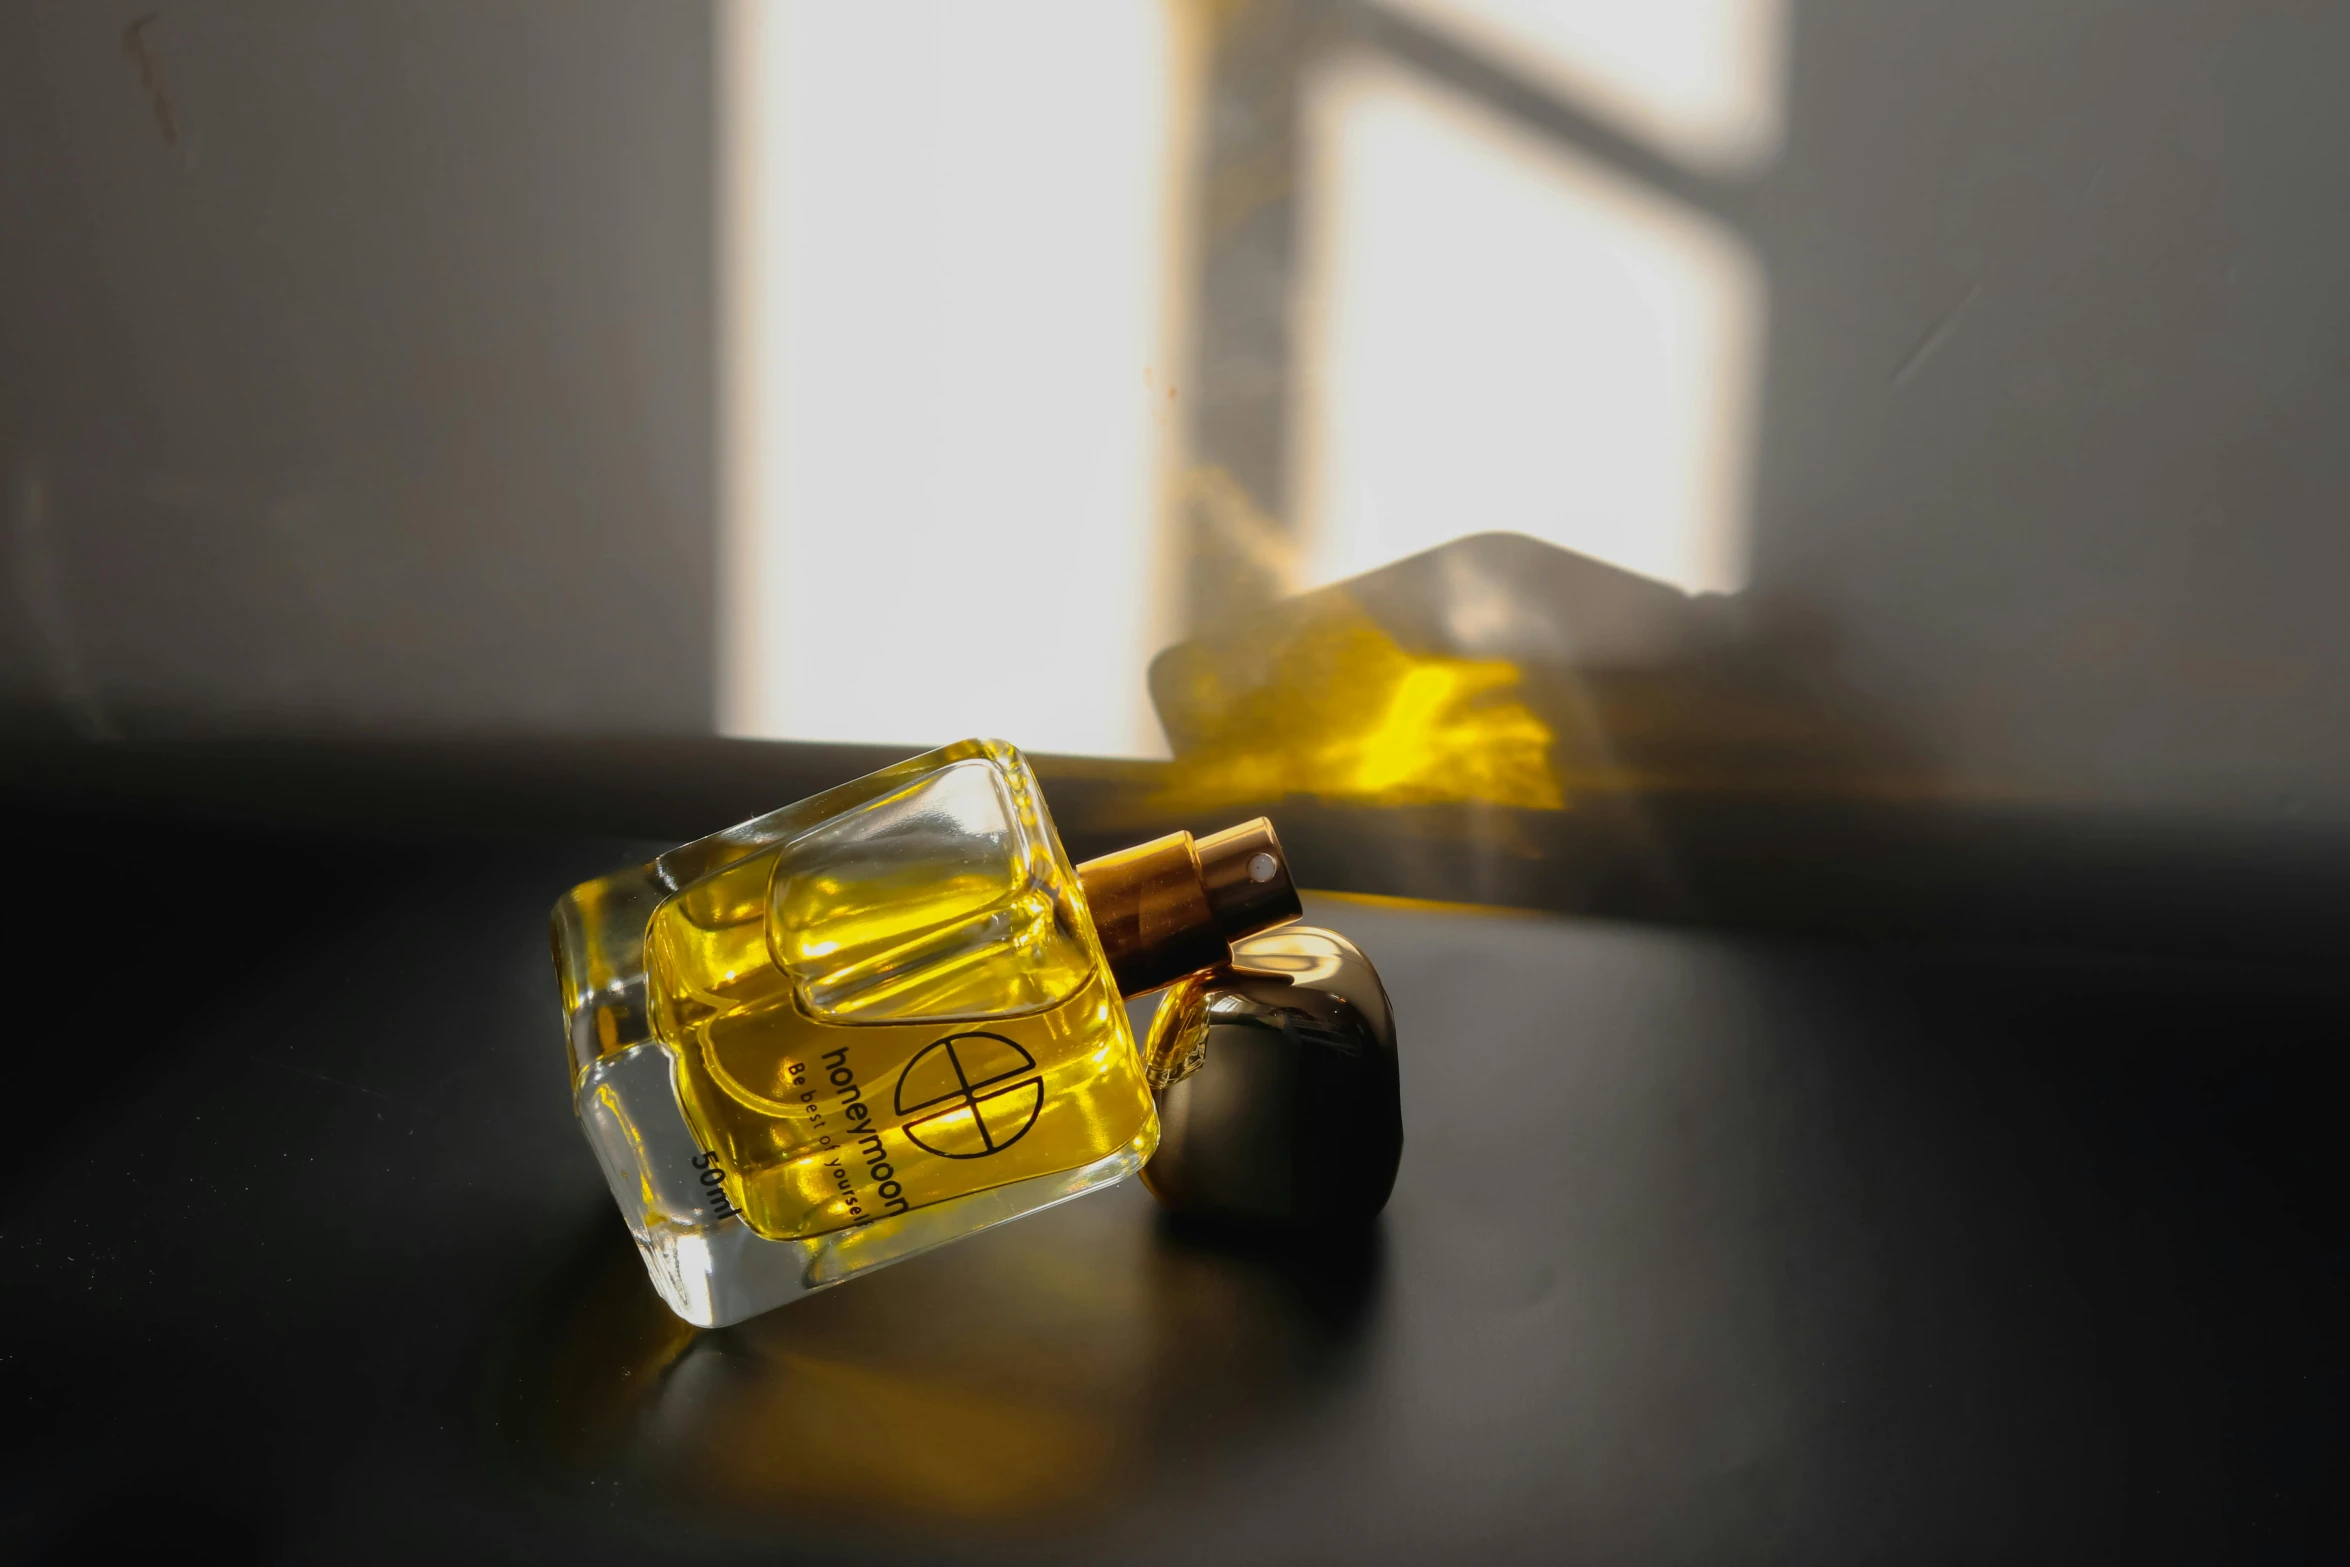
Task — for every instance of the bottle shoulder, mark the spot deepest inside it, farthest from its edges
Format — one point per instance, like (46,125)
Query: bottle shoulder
(945,896)
(921,823)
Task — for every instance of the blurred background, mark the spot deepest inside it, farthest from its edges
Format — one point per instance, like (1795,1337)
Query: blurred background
(890,373)
(1847,499)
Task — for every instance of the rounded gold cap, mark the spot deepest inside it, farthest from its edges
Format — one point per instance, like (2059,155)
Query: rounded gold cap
(1280,1098)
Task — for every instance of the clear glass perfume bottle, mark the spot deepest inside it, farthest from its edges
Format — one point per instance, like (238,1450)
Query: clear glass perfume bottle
(879,1020)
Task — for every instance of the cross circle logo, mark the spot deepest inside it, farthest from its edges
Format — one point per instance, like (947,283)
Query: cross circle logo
(969,1095)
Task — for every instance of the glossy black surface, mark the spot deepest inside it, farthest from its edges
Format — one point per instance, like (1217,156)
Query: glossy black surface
(1705,1247)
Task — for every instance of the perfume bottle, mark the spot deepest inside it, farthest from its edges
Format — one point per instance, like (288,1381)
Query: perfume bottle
(879,1020)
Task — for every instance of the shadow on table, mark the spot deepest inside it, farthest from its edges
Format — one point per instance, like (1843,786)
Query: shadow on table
(1050,1374)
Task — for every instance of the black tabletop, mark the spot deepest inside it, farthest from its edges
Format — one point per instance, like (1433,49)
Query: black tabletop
(1705,1247)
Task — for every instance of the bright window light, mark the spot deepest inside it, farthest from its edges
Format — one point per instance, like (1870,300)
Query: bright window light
(1700,80)
(947,252)
(1500,334)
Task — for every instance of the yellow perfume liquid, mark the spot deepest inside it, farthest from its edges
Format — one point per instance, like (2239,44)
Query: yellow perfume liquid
(1016,1061)
(878,1020)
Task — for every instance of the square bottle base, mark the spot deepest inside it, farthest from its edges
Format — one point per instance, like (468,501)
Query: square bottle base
(713,1269)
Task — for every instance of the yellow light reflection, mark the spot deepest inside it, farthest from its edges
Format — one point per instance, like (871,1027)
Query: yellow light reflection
(1338,709)
(779,1433)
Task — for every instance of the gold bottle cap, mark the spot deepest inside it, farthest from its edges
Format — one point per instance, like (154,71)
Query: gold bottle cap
(1280,1095)
(1175,905)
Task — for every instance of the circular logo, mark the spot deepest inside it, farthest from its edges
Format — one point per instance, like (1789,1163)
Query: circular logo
(969,1095)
